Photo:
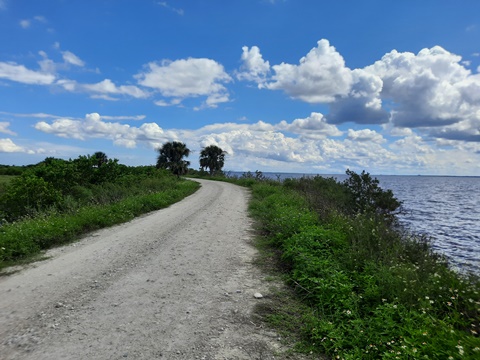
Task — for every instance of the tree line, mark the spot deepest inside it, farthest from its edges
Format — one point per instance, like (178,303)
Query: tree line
(171,157)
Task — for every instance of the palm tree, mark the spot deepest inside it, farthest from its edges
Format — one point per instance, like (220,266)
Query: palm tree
(101,158)
(213,158)
(170,156)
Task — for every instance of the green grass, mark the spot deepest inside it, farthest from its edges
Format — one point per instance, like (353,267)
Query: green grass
(27,238)
(362,290)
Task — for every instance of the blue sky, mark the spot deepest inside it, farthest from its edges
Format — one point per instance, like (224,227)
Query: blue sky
(307,86)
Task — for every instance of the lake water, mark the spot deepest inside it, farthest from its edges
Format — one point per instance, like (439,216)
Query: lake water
(447,209)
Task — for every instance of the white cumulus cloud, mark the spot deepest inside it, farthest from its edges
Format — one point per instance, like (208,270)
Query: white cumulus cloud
(187,78)
(423,87)
(94,126)
(253,67)
(313,126)
(8,146)
(319,77)
(365,135)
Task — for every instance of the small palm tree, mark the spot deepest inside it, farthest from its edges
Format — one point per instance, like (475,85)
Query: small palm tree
(213,158)
(101,158)
(170,156)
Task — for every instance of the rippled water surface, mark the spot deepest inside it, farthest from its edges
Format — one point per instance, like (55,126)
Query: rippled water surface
(447,209)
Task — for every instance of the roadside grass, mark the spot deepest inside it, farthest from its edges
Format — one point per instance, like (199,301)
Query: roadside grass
(25,239)
(358,288)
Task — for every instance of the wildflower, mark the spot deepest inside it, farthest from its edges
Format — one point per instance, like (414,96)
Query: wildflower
(473,332)
(449,303)
(426,298)
(476,349)
(414,350)
(460,349)
(383,300)
(425,333)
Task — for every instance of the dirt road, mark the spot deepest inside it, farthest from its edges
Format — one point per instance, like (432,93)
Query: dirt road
(175,284)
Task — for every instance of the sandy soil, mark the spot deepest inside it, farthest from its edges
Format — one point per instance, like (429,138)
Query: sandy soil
(175,284)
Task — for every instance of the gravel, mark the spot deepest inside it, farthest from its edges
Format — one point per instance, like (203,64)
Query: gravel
(175,284)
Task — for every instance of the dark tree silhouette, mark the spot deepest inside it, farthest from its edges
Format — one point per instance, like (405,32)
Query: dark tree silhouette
(170,156)
(101,158)
(213,158)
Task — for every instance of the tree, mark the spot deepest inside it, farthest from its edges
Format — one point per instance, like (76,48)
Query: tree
(213,158)
(369,197)
(101,158)
(170,156)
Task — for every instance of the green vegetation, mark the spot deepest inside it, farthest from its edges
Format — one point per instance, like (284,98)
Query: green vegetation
(363,289)
(213,159)
(170,157)
(57,200)
(4,180)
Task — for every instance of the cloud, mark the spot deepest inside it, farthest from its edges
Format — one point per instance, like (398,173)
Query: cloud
(68,57)
(429,90)
(8,146)
(19,73)
(93,126)
(104,89)
(365,135)
(284,145)
(314,126)
(253,67)
(71,58)
(167,6)
(25,24)
(4,128)
(319,77)
(465,130)
(187,78)
(362,104)
(425,88)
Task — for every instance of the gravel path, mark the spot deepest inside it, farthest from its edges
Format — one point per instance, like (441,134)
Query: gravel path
(175,284)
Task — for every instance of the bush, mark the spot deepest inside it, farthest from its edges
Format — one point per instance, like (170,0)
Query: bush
(26,195)
(368,197)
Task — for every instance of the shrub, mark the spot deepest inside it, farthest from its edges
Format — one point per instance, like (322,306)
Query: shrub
(26,195)
(368,196)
